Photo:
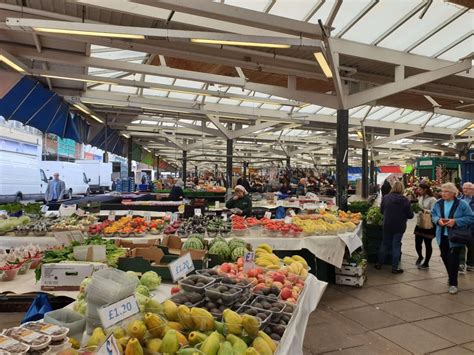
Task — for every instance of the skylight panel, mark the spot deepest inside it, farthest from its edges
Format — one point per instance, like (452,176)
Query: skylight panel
(297,10)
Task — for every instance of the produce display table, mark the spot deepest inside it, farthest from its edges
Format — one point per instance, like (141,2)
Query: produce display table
(291,342)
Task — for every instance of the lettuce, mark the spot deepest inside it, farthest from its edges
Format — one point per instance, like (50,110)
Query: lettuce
(151,280)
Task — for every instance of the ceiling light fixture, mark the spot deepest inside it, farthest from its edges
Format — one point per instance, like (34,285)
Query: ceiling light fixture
(360,135)
(11,64)
(162,109)
(81,108)
(104,103)
(75,79)
(321,59)
(126,135)
(97,119)
(88,33)
(238,43)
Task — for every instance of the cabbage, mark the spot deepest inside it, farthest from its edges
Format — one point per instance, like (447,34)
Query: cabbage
(133,275)
(80,307)
(151,280)
(143,290)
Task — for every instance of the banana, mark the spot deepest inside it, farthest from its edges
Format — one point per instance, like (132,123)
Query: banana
(273,267)
(301,260)
(266,247)
(288,261)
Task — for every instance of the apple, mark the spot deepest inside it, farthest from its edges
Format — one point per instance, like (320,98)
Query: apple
(175,290)
(259,287)
(294,295)
(225,267)
(268,282)
(278,277)
(240,262)
(291,300)
(285,293)
(278,284)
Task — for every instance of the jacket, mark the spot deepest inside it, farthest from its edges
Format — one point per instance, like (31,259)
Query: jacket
(463,217)
(396,209)
(244,204)
(60,188)
(471,204)
(176,193)
(385,189)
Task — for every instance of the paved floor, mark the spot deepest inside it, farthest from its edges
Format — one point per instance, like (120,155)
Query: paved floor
(410,313)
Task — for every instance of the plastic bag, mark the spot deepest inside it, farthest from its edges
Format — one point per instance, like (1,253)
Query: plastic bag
(280,213)
(38,308)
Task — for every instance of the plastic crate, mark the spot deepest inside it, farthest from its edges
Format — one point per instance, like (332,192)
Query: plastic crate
(351,269)
(355,281)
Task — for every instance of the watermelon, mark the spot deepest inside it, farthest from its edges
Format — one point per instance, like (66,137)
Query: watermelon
(198,236)
(236,242)
(221,249)
(238,252)
(215,240)
(193,243)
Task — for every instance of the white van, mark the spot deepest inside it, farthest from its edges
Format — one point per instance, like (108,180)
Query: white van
(77,182)
(99,173)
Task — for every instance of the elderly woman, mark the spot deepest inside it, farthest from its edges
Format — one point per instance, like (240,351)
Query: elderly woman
(177,192)
(240,202)
(301,189)
(396,210)
(450,212)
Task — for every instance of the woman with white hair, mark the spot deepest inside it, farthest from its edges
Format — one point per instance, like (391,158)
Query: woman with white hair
(240,202)
(448,213)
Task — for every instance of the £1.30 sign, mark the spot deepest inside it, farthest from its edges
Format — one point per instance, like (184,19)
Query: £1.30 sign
(118,311)
(181,267)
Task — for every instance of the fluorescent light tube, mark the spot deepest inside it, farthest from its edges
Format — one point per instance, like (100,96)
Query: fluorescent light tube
(162,109)
(81,108)
(323,64)
(148,150)
(237,43)
(103,103)
(125,135)
(360,134)
(88,33)
(75,79)
(97,119)
(11,64)
(462,132)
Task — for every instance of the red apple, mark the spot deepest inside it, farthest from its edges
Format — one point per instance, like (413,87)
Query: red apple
(240,262)
(175,290)
(278,277)
(259,286)
(225,267)
(291,300)
(285,293)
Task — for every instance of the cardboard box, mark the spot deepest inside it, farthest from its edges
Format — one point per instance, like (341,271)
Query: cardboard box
(67,276)
(132,244)
(152,259)
(173,245)
(356,281)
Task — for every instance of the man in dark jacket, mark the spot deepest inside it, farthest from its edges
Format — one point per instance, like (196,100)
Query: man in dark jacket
(396,209)
(386,187)
(466,262)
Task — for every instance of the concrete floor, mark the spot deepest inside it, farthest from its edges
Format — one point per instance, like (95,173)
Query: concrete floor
(409,313)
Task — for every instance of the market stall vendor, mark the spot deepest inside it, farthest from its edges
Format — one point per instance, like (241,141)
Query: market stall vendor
(241,201)
(177,192)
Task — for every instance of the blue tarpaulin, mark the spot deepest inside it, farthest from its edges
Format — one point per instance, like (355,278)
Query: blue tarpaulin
(34,105)
(115,143)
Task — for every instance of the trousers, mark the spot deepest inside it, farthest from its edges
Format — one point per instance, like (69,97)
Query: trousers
(450,257)
(395,241)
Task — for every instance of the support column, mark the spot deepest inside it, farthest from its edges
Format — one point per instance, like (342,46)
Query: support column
(105,157)
(246,164)
(196,171)
(365,173)
(342,152)
(230,150)
(288,167)
(129,156)
(185,163)
(372,171)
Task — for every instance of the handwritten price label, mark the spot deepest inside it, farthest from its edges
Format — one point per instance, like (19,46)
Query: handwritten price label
(130,213)
(249,261)
(181,267)
(118,311)
(268,215)
(292,213)
(111,216)
(197,211)
(147,216)
(110,347)
(288,220)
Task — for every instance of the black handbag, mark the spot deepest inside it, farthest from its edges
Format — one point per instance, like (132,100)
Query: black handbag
(456,235)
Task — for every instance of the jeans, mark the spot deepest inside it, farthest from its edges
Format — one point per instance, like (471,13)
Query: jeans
(450,257)
(395,241)
(419,248)
(467,258)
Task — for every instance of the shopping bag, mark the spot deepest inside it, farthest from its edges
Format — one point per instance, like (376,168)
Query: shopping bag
(38,308)
(424,220)
(461,236)
(280,213)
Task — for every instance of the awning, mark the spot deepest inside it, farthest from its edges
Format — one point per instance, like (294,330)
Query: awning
(115,142)
(33,105)
(354,170)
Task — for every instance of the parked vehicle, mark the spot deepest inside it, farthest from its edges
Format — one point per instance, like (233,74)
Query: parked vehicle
(99,174)
(77,182)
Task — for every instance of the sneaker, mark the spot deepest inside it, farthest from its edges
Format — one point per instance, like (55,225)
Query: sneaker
(397,271)
(418,261)
(423,267)
(453,290)
(378,266)
(469,268)
(462,269)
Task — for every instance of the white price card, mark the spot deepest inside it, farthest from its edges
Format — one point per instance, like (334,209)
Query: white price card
(118,311)
(249,261)
(44,208)
(110,347)
(288,220)
(130,213)
(64,238)
(292,213)
(111,216)
(67,210)
(224,217)
(217,205)
(197,211)
(147,216)
(174,217)
(77,236)
(268,215)
(181,267)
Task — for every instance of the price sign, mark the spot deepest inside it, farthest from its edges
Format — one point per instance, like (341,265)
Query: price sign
(288,220)
(280,203)
(111,216)
(147,216)
(64,238)
(268,215)
(44,208)
(181,267)
(224,217)
(217,204)
(80,212)
(67,210)
(110,347)
(118,311)
(249,261)
(174,217)
(130,213)
(197,212)
(77,236)
(292,213)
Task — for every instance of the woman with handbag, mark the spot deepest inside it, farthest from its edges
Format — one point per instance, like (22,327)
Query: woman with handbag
(452,218)
(425,229)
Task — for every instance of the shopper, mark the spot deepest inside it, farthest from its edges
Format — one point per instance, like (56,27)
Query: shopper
(396,209)
(450,212)
(177,192)
(466,261)
(244,182)
(285,188)
(301,189)
(426,200)
(55,190)
(386,187)
(240,203)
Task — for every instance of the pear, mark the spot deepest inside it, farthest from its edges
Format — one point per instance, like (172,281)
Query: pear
(97,338)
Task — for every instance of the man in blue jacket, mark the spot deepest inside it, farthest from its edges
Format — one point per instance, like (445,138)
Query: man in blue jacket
(467,262)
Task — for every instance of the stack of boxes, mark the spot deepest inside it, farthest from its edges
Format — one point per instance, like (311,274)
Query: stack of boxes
(351,273)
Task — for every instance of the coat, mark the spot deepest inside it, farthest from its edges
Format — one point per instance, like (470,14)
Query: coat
(463,217)
(61,189)
(244,204)
(396,209)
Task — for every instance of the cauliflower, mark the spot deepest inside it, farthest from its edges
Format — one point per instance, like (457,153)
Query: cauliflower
(151,280)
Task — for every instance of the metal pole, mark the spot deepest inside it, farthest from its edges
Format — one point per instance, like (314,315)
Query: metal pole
(185,162)
(230,148)
(342,158)
(372,172)
(106,141)
(288,167)
(365,173)
(246,164)
(158,166)
(129,156)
